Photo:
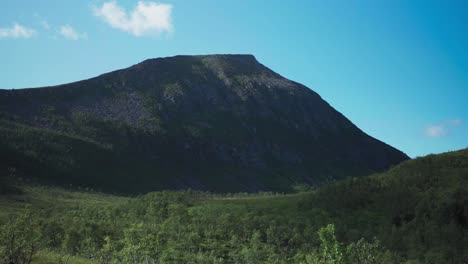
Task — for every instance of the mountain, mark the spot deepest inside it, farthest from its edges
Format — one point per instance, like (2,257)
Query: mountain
(218,122)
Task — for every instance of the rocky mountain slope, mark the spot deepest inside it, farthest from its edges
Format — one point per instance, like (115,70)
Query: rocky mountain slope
(216,122)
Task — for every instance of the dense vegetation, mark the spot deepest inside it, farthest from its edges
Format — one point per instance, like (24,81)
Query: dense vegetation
(415,213)
(222,123)
(419,208)
(181,227)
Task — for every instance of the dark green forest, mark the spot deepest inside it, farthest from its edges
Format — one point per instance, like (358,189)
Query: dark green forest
(417,212)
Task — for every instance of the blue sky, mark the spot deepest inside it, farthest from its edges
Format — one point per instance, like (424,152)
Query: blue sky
(397,69)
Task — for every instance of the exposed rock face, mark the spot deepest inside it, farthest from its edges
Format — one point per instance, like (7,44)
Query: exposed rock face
(218,122)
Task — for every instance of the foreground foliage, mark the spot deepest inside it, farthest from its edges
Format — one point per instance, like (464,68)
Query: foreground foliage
(415,213)
(20,240)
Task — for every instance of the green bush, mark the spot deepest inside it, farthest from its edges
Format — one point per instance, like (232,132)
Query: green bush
(19,239)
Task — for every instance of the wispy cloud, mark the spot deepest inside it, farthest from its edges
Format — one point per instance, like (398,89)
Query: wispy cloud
(16,31)
(70,33)
(44,24)
(436,131)
(455,122)
(42,21)
(442,129)
(148,18)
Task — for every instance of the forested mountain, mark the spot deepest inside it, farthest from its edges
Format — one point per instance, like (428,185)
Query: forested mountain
(219,123)
(415,213)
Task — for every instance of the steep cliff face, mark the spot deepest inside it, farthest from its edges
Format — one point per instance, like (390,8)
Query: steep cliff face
(217,122)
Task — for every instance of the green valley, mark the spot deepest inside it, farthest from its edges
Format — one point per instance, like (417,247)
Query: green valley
(417,212)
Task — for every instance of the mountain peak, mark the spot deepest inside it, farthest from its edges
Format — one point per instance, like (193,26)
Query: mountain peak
(220,64)
(225,57)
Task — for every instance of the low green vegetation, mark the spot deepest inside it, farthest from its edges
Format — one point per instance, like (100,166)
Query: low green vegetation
(175,227)
(415,213)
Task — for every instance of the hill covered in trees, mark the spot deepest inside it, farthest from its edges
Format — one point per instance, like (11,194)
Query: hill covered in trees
(417,212)
(219,123)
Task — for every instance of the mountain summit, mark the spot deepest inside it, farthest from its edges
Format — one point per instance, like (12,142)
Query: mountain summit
(216,122)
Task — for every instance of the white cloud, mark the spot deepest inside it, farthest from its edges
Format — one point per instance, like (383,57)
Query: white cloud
(70,33)
(148,18)
(443,128)
(435,131)
(16,31)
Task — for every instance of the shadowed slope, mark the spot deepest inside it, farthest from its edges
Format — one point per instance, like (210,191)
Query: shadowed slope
(217,122)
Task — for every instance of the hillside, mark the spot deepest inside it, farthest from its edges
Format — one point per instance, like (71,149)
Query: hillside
(219,122)
(417,210)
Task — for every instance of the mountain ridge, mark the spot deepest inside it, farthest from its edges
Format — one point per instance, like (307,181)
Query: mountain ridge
(180,121)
